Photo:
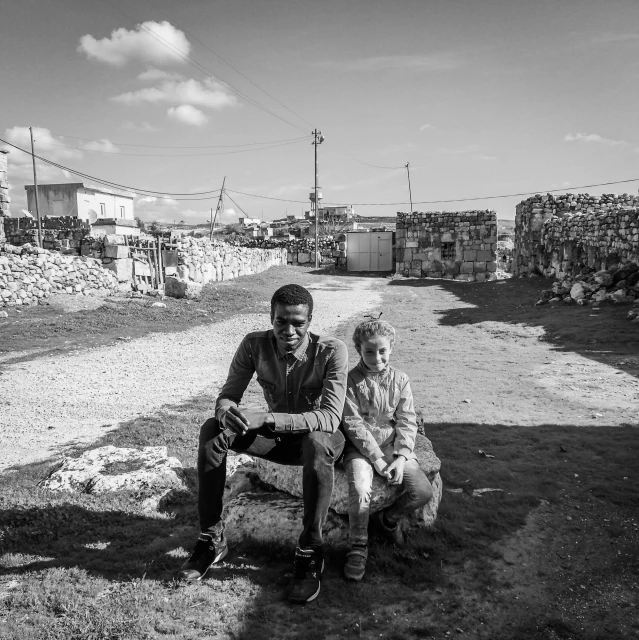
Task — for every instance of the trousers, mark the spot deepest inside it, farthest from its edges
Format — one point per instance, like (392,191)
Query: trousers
(316,452)
(359,472)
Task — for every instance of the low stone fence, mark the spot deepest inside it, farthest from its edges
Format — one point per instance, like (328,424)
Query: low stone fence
(65,233)
(28,275)
(459,245)
(559,236)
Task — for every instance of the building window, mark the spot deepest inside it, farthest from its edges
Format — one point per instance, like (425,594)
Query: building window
(102,210)
(121,212)
(448,251)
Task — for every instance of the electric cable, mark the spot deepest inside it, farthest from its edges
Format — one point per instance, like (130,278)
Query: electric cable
(212,146)
(160,194)
(235,203)
(226,62)
(175,155)
(200,67)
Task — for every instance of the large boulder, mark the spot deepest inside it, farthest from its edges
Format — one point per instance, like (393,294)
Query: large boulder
(181,288)
(289,480)
(149,470)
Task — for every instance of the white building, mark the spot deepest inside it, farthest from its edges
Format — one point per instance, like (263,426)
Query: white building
(78,201)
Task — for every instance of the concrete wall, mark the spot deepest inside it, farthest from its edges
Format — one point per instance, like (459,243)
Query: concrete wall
(76,200)
(560,235)
(459,245)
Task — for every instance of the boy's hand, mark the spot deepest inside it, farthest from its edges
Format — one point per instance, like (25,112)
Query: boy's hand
(395,470)
(381,467)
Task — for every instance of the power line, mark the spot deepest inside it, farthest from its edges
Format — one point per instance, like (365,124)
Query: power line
(160,194)
(235,203)
(200,67)
(212,146)
(175,155)
(226,62)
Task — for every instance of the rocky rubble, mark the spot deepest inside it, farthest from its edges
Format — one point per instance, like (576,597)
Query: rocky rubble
(29,275)
(618,285)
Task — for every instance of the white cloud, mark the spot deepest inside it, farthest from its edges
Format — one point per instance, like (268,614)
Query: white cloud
(209,94)
(440,61)
(144,127)
(595,138)
(615,37)
(187,114)
(483,157)
(425,127)
(103,145)
(45,143)
(154,74)
(138,45)
(153,203)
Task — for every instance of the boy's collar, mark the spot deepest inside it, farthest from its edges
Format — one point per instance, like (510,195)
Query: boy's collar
(367,372)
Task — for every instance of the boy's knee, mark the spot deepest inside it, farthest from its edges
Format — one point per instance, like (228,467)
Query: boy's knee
(318,444)
(209,430)
(424,490)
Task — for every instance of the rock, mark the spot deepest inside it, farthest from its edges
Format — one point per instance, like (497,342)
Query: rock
(289,479)
(159,304)
(632,279)
(123,269)
(603,278)
(149,470)
(619,296)
(179,288)
(4,314)
(273,517)
(577,291)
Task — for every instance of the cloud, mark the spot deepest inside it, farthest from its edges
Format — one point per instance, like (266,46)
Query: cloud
(595,138)
(143,126)
(614,37)
(187,114)
(138,45)
(45,143)
(209,94)
(483,157)
(159,74)
(103,145)
(153,203)
(425,127)
(441,61)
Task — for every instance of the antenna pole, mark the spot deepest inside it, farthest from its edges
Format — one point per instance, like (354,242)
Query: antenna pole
(35,190)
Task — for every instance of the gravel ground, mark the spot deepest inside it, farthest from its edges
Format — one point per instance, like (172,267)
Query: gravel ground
(52,402)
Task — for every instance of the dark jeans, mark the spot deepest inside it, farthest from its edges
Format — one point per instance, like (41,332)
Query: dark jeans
(316,451)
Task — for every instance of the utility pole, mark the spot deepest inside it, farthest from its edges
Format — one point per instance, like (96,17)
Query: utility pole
(318,138)
(219,202)
(410,195)
(35,190)
(211,232)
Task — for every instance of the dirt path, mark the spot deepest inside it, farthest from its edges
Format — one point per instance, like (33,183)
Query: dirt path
(52,402)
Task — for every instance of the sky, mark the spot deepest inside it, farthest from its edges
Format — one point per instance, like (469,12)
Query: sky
(482,98)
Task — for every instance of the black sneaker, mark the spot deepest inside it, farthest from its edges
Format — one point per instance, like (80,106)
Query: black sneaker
(208,550)
(306,582)
(393,534)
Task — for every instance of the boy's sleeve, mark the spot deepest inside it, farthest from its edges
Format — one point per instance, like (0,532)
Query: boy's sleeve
(406,425)
(355,427)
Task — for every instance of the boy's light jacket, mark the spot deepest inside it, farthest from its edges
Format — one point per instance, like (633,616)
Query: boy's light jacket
(379,414)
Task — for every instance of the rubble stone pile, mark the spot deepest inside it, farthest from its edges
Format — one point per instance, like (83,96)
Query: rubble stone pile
(557,236)
(29,275)
(615,285)
(459,245)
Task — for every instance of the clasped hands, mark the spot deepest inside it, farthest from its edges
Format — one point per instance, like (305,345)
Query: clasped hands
(393,471)
(241,422)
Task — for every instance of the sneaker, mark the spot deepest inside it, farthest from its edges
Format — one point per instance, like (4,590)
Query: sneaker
(355,566)
(306,582)
(393,534)
(208,550)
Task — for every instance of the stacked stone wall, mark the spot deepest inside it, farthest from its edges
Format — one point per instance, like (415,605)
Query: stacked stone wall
(64,233)
(301,251)
(559,236)
(29,275)
(4,193)
(459,245)
(201,260)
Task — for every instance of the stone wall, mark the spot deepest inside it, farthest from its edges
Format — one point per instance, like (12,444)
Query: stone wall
(29,275)
(559,236)
(201,260)
(4,192)
(64,233)
(458,245)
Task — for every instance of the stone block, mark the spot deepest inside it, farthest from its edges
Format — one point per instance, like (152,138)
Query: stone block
(303,258)
(480,277)
(491,266)
(112,239)
(123,269)
(179,288)
(467,267)
(116,251)
(485,256)
(480,267)
(470,255)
